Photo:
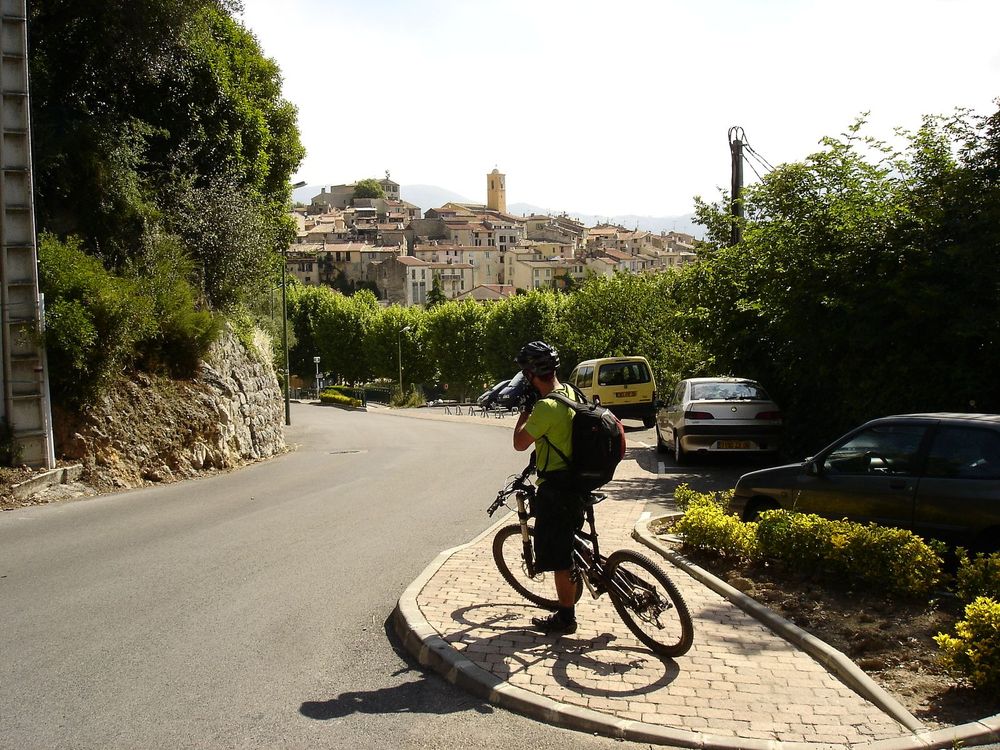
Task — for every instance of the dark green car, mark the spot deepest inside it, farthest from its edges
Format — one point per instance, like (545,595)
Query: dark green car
(936,474)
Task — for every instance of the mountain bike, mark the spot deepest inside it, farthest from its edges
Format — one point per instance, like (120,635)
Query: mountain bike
(644,597)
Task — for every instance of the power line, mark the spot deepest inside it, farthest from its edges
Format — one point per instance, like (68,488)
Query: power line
(764,162)
(752,167)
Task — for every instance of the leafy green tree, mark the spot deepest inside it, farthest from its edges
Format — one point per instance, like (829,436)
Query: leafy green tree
(511,323)
(845,288)
(623,315)
(341,332)
(368,188)
(393,340)
(453,334)
(307,307)
(162,116)
(436,295)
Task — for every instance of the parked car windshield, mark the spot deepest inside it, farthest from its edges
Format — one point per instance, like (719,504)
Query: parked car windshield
(622,373)
(709,391)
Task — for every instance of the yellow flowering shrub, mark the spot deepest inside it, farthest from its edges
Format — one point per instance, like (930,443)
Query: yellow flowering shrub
(705,525)
(974,650)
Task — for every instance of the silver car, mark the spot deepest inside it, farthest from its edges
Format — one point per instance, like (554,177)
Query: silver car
(718,415)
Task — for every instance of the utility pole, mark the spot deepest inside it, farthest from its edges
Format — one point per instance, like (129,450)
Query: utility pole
(736,153)
(25,411)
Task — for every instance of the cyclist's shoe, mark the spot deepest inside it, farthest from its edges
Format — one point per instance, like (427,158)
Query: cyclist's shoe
(554,624)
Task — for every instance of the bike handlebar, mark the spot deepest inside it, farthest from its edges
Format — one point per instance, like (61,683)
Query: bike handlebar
(519,483)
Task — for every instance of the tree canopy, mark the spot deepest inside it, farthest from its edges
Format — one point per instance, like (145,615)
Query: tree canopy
(162,116)
(368,188)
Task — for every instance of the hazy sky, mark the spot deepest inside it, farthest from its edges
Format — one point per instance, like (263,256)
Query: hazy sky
(610,107)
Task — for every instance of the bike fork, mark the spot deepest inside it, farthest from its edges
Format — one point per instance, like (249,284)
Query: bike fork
(526,551)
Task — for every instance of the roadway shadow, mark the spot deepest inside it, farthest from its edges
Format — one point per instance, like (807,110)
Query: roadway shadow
(429,694)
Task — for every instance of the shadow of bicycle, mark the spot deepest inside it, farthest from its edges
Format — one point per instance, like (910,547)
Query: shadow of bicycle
(494,636)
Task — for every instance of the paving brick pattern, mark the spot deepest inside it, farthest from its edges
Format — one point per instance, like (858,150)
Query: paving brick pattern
(738,680)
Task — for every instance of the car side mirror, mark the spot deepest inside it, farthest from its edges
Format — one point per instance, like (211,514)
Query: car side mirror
(813,467)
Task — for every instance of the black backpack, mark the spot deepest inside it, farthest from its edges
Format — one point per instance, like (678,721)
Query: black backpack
(598,441)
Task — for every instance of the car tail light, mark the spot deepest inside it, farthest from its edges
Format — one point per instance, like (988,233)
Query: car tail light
(772,415)
(697,415)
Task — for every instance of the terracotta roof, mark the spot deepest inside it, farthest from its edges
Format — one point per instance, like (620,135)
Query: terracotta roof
(409,260)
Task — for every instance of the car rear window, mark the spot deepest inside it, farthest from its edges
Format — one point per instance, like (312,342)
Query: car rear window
(623,373)
(708,391)
(964,453)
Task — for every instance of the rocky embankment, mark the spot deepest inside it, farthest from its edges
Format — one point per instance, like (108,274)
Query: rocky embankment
(152,429)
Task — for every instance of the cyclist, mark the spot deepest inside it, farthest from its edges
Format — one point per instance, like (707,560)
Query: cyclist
(558,509)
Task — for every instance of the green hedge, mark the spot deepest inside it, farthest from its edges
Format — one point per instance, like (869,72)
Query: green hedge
(877,556)
(705,525)
(334,396)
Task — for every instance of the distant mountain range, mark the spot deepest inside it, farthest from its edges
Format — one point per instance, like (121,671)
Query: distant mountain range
(431,196)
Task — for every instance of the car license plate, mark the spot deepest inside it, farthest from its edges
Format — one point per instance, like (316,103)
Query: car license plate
(735,444)
(625,394)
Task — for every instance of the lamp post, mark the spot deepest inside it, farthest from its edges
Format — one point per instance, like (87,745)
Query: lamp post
(284,332)
(399,353)
(284,322)
(316,362)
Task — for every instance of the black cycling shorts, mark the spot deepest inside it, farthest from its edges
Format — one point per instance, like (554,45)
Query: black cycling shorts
(558,516)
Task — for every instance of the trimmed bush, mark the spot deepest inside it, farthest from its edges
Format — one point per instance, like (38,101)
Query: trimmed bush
(413,398)
(334,396)
(878,556)
(974,650)
(893,559)
(705,525)
(684,495)
(978,575)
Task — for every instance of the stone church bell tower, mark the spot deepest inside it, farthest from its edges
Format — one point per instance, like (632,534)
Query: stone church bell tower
(496,191)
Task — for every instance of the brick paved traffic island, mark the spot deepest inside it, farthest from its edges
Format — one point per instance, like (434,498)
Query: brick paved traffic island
(742,684)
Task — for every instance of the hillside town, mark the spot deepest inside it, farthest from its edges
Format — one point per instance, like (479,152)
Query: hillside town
(463,250)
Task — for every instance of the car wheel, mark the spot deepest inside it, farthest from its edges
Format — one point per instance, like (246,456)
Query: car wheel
(648,421)
(661,445)
(756,507)
(679,455)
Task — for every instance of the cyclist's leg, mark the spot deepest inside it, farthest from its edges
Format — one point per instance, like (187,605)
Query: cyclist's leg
(557,518)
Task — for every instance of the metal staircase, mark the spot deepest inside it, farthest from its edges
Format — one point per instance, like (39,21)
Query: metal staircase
(24,376)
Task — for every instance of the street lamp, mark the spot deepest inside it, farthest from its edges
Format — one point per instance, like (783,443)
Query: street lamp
(284,322)
(284,331)
(316,362)
(399,352)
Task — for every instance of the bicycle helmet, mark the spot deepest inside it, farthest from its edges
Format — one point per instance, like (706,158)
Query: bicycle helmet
(538,358)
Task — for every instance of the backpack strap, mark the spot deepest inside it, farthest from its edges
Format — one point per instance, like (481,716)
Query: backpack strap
(563,399)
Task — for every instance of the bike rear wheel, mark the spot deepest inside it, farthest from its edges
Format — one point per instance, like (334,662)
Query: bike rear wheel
(649,603)
(508,554)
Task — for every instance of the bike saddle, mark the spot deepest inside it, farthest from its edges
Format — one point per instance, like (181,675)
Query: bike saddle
(593,498)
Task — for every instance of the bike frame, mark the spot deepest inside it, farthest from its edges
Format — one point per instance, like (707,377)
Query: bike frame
(586,548)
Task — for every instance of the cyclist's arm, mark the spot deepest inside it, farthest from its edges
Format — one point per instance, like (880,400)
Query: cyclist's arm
(522,438)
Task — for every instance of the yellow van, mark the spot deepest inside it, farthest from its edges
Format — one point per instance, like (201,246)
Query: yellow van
(622,384)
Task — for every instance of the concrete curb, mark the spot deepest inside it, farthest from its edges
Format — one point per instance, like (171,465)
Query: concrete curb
(62,475)
(981,732)
(433,651)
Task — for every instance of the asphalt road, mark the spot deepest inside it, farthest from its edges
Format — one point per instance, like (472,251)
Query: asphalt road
(249,610)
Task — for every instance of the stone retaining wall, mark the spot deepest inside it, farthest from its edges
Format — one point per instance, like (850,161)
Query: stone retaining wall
(155,429)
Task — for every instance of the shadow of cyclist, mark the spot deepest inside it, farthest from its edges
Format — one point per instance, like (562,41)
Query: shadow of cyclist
(428,694)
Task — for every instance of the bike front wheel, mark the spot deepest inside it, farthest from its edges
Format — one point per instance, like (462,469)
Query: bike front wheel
(649,603)
(508,554)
